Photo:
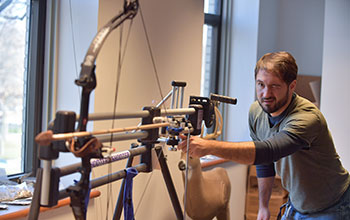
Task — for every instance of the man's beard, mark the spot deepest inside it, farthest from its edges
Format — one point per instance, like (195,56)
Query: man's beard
(277,105)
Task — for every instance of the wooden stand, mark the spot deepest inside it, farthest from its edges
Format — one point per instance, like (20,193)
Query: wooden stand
(15,212)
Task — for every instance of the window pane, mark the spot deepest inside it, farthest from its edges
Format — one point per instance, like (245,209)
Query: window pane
(209,63)
(13,56)
(212,7)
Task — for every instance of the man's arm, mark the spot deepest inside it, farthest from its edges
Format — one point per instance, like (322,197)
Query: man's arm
(239,152)
(265,189)
(251,152)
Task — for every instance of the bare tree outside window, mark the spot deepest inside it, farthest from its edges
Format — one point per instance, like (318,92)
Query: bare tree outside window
(14,20)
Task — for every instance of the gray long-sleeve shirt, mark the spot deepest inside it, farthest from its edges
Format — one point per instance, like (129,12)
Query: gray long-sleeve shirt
(312,172)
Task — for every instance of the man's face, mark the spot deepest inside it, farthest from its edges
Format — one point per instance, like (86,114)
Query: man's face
(273,93)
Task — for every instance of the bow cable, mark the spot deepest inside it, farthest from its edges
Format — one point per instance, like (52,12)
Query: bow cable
(160,92)
(119,70)
(152,57)
(186,173)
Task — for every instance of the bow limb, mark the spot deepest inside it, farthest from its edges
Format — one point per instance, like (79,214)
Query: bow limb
(87,78)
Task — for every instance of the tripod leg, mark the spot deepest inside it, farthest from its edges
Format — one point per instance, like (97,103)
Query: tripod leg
(35,205)
(169,183)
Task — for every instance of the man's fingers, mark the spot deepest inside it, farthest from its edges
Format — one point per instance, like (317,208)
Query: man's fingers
(183,144)
(182,137)
(180,145)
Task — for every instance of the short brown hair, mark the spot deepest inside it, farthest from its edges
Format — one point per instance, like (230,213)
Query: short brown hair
(281,63)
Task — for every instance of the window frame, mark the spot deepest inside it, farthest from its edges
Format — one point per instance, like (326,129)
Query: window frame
(215,20)
(34,86)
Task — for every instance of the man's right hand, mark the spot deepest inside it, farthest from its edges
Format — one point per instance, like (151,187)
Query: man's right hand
(263,214)
(265,189)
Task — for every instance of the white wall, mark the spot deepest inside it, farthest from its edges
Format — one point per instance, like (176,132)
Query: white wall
(242,62)
(293,26)
(268,27)
(243,46)
(336,75)
(74,37)
(301,32)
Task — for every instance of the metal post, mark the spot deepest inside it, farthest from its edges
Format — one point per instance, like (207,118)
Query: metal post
(45,185)
(169,183)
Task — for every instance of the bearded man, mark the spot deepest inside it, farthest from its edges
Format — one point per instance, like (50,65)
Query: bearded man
(290,136)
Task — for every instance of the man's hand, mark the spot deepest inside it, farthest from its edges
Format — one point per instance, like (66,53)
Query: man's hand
(265,185)
(199,147)
(263,214)
(239,152)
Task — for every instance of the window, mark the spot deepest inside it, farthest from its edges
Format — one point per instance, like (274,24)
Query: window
(211,42)
(21,64)
(211,49)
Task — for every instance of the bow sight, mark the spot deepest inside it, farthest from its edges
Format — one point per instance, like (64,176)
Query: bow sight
(204,111)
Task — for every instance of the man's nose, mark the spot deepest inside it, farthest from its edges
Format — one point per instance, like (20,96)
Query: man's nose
(267,92)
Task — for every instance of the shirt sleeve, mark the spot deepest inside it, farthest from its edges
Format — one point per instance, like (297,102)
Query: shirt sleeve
(306,126)
(266,170)
(279,145)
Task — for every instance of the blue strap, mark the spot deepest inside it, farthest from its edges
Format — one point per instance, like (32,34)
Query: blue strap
(128,205)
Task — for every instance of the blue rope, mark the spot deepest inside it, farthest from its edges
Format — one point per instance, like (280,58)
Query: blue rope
(128,205)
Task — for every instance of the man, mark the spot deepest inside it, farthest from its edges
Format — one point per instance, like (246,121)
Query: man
(290,135)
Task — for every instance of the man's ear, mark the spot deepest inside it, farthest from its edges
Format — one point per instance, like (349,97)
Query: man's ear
(293,85)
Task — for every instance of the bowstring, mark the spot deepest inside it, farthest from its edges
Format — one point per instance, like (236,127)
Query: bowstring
(162,98)
(161,95)
(73,44)
(109,185)
(121,56)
